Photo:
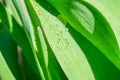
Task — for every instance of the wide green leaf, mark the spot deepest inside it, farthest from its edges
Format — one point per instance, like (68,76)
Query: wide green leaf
(110,10)
(60,39)
(67,52)
(102,67)
(102,35)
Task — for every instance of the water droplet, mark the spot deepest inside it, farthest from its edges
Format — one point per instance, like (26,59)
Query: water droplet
(53,29)
(65,62)
(45,20)
(36,8)
(40,12)
(59,39)
(61,32)
(50,26)
(56,35)
(66,29)
(62,40)
(51,45)
(66,43)
(57,47)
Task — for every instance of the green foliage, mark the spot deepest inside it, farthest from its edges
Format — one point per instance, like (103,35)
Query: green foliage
(59,40)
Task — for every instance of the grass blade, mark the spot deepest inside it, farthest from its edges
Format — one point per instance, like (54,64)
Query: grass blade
(9,56)
(22,40)
(33,36)
(5,73)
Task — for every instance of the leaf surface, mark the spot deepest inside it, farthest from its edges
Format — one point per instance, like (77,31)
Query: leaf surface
(67,52)
(102,35)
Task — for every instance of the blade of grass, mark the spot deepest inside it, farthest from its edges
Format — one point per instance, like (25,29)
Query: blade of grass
(54,69)
(11,9)
(22,40)
(41,44)
(31,31)
(5,73)
(9,52)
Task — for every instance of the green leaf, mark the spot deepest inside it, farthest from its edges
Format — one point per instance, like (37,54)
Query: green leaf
(5,73)
(110,10)
(3,16)
(9,56)
(53,68)
(11,9)
(102,35)
(67,52)
(31,30)
(102,68)
(77,11)
(22,40)
(43,52)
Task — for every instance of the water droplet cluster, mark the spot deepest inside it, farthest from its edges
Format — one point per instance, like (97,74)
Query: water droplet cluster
(57,29)
(36,8)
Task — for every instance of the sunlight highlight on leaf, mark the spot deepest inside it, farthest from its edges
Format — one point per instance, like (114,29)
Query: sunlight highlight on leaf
(110,9)
(78,13)
(83,15)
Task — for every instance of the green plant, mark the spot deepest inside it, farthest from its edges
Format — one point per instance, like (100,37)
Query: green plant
(59,40)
